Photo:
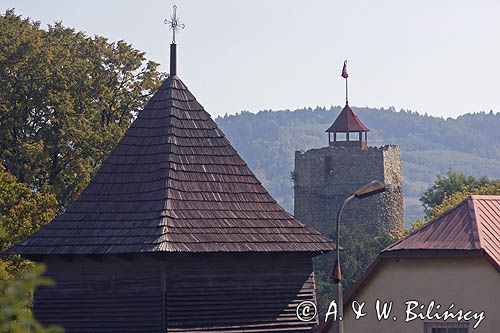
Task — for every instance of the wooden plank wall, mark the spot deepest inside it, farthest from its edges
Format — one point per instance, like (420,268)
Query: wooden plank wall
(201,293)
(109,296)
(238,293)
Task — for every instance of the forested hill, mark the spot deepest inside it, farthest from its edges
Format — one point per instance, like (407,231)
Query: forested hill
(430,146)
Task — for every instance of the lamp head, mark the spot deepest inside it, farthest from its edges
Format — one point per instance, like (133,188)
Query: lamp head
(369,189)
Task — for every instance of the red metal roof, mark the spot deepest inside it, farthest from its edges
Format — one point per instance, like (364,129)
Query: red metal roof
(173,183)
(472,225)
(347,121)
(471,229)
(487,210)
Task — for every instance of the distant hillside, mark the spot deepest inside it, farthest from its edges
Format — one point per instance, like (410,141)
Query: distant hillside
(430,146)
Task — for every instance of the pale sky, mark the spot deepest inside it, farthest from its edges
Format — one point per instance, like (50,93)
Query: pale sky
(437,57)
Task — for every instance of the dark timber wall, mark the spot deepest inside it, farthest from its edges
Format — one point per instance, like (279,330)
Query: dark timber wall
(112,295)
(183,293)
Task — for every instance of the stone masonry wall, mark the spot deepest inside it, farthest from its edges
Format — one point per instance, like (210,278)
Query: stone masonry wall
(324,177)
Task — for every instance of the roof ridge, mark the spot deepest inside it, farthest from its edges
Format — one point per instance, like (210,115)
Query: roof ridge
(474,220)
(485,196)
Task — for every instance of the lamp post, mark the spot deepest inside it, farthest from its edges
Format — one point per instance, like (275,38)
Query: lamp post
(369,189)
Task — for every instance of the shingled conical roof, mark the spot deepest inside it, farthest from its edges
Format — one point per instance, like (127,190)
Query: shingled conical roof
(174,183)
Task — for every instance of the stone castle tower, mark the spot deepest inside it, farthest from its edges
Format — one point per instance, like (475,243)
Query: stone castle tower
(324,177)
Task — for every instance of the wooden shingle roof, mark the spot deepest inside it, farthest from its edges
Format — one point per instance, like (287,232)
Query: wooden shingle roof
(174,183)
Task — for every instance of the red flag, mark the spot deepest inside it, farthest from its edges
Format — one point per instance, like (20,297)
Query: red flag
(344,70)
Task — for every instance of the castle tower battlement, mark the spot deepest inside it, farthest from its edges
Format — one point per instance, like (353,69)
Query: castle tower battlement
(324,177)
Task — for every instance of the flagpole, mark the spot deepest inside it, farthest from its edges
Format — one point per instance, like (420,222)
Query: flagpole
(346,92)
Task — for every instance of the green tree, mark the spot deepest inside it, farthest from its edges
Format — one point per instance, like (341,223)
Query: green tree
(450,201)
(66,100)
(15,300)
(22,212)
(445,186)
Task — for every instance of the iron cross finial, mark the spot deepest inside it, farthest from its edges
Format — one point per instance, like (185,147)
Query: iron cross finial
(174,23)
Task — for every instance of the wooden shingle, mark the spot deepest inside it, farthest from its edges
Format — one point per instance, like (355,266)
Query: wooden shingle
(173,183)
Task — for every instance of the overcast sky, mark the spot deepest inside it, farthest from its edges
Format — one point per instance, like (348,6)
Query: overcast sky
(436,57)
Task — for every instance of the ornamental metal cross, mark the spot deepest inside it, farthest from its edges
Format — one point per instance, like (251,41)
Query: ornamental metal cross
(174,23)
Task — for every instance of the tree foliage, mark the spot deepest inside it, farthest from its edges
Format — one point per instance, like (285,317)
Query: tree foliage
(453,199)
(22,212)
(15,300)
(66,100)
(445,186)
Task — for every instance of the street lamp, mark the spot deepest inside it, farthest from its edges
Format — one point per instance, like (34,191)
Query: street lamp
(369,189)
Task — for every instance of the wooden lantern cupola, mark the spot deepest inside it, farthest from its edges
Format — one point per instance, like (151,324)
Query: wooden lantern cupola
(348,131)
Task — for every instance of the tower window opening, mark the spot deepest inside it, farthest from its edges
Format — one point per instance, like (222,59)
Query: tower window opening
(354,136)
(341,136)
